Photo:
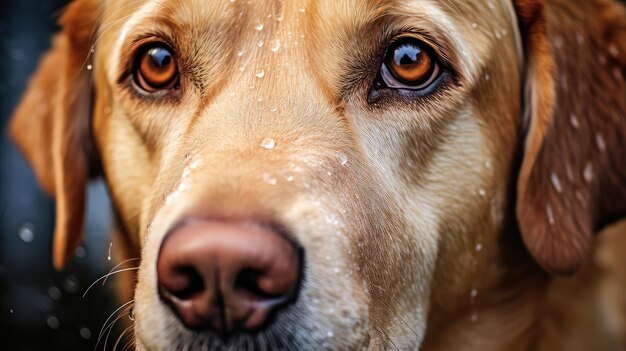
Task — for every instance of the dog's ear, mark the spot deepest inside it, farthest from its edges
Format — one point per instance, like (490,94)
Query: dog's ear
(51,124)
(572,180)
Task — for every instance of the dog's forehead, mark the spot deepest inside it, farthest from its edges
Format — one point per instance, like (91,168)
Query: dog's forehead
(340,13)
(302,29)
(337,17)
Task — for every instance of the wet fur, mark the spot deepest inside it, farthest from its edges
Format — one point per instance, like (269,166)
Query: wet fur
(445,229)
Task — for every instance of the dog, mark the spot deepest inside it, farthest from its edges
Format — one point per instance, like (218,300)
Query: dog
(343,174)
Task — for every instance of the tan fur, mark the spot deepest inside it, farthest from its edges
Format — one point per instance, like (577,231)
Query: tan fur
(434,233)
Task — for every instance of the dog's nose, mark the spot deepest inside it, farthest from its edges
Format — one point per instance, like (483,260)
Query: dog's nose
(227,277)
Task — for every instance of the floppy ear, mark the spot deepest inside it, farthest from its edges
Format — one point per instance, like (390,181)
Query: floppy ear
(51,124)
(572,180)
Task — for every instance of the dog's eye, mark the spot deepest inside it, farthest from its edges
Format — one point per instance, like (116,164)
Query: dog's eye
(409,64)
(156,68)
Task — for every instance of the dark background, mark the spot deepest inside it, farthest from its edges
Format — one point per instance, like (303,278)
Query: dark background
(41,309)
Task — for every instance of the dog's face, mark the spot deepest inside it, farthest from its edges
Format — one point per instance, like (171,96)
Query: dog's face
(375,138)
(290,113)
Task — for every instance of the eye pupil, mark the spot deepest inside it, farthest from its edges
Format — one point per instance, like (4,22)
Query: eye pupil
(156,68)
(160,57)
(409,65)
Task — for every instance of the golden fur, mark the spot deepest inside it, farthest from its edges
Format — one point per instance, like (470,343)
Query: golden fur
(441,229)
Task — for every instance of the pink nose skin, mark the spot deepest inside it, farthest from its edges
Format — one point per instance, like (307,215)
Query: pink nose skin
(227,276)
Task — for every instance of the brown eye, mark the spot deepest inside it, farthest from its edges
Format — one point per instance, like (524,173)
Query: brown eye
(409,64)
(156,68)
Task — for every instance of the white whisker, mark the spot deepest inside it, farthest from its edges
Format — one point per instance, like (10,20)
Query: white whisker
(112,314)
(108,274)
(120,338)
(117,266)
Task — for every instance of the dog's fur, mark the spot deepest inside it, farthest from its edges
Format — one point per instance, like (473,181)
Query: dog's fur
(445,228)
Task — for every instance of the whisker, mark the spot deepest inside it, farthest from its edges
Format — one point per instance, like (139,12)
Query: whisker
(130,342)
(112,324)
(402,319)
(109,274)
(112,314)
(389,339)
(117,266)
(120,338)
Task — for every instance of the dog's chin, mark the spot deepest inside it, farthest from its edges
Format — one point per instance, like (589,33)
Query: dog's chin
(286,333)
(296,327)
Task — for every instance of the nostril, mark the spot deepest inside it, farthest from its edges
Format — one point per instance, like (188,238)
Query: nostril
(184,283)
(247,282)
(228,276)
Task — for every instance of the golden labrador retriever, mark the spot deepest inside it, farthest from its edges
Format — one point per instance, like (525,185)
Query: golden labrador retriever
(339,174)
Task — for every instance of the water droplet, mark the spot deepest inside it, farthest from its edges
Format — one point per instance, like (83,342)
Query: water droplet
(588,172)
(240,52)
(328,258)
(259,73)
(17,54)
(580,39)
(600,142)
(258,27)
(89,67)
(559,42)
(301,9)
(70,284)
(54,292)
(273,109)
(11,311)
(269,179)
(474,25)
(487,77)
(110,247)
(479,247)
(330,334)
(27,232)
(289,178)
(343,159)
(168,201)
(613,51)
(556,183)
(195,164)
(268,143)
(336,270)
(474,317)
(473,293)
(550,215)
(260,43)
(482,192)
(275,45)
(279,17)
(85,333)
(183,186)
(573,120)
(53,322)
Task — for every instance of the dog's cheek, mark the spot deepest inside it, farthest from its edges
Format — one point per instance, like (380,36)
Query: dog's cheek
(155,325)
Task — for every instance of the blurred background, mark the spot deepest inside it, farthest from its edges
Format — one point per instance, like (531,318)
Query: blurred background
(41,309)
